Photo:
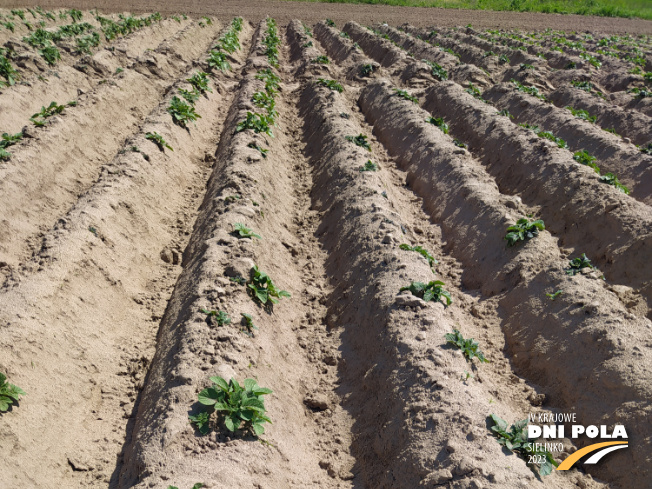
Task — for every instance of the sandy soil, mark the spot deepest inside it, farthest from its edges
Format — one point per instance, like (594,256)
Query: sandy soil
(112,247)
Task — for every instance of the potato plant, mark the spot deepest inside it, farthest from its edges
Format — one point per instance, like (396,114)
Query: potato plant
(469,347)
(523,230)
(432,291)
(9,393)
(238,406)
(331,84)
(158,140)
(262,288)
(182,112)
(359,140)
(439,122)
(515,439)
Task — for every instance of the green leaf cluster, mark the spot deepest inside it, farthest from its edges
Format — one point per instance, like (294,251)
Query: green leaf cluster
(321,60)
(256,122)
(331,84)
(6,141)
(515,438)
(244,232)
(182,112)
(367,69)
(468,346)
(369,166)
(7,71)
(199,81)
(585,158)
(406,95)
(439,122)
(237,404)
(529,90)
(524,229)
(216,317)
(359,140)
(263,289)
(582,114)
(577,264)
(158,140)
(432,291)
(437,70)
(475,92)
(422,251)
(39,118)
(9,393)
(611,179)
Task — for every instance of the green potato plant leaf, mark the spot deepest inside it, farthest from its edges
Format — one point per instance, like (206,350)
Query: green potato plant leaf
(515,438)
(158,140)
(242,231)
(360,140)
(9,393)
(263,289)
(432,291)
(523,230)
(237,405)
(468,346)
(422,251)
(216,317)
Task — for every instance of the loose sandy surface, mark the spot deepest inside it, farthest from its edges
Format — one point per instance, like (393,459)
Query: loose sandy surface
(112,246)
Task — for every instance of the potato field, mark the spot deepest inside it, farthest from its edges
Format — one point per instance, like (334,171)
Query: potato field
(266,254)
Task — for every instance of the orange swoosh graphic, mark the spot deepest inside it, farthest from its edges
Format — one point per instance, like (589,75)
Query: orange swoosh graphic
(570,461)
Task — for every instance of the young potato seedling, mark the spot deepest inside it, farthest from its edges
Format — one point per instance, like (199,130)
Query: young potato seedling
(217,61)
(515,438)
(182,112)
(422,251)
(576,265)
(9,393)
(241,231)
(158,140)
(199,81)
(367,69)
(320,60)
(46,112)
(432,291)
(257,123)
(239,405)
(612,179)
(437,70)
(199,485)
(263,289)
(404,94)
(582,114)
(554,295)
(523,230)
(360,140)
(439,122)
(263,151)
(468,346)
(216,317)
(369,166)
(587,159)
(248,322)
(332,84)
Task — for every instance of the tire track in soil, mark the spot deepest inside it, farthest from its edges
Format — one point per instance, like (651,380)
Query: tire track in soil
(101,295)
(49,170)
